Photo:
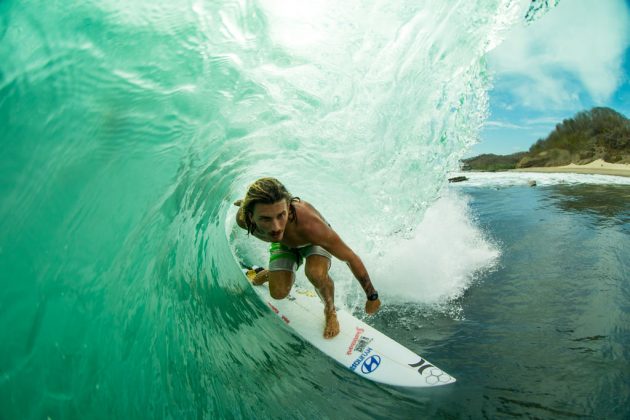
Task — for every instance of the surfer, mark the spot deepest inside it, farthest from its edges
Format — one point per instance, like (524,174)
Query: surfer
(298,232)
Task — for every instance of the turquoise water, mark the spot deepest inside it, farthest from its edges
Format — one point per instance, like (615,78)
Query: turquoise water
(127,130)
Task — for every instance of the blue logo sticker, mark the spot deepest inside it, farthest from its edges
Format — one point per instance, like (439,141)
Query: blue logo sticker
(371,364)
(361,358)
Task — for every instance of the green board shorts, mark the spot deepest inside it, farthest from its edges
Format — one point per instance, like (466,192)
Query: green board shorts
(283,258)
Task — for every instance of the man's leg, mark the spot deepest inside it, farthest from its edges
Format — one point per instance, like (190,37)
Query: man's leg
(283,262)
(280,282)
(317,273)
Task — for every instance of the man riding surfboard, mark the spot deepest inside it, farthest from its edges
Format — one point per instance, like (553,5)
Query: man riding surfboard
(298,232)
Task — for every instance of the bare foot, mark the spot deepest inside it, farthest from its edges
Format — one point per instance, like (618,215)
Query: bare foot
(371,306)
(332,325)
(261,278)
(257,278)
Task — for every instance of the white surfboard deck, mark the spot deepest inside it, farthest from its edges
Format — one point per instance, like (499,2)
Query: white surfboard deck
(359,347)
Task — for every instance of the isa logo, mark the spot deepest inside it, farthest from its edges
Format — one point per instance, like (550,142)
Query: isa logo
(371,364)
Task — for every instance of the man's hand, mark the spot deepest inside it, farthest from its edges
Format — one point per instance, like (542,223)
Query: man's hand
(371,306)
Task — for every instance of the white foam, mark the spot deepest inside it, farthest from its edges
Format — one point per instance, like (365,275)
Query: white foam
(509,179)
(441,260)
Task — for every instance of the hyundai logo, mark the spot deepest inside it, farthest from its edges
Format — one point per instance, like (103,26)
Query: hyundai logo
(371,364)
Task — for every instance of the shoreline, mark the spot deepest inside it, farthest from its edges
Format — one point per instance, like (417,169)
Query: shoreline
(597,167)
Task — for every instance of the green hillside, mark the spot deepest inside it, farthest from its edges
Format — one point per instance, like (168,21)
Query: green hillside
(491,162)
(601,133)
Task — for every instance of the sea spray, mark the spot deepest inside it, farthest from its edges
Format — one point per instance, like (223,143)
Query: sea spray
(439,262)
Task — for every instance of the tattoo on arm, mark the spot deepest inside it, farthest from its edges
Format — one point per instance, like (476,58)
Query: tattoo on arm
(366,284)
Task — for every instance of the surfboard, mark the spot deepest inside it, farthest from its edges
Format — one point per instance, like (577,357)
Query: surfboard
(359,347)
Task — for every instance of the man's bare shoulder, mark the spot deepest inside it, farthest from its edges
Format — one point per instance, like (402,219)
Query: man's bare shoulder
(307,213)
(310,223)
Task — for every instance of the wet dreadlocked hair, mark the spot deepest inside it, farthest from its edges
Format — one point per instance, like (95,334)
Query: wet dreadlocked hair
(265,191)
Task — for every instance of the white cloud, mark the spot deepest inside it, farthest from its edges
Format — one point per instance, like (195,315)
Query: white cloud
(543,120)
(503,124)
(578,46)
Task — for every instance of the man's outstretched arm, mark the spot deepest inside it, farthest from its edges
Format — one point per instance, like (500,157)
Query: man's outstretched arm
(331,241)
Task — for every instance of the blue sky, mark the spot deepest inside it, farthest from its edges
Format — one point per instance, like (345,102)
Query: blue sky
(575,57)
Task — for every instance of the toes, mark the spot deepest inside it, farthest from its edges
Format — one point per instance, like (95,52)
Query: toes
(331,333)
(331,329)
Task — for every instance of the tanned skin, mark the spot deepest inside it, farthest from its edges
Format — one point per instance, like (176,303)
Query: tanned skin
(273,225)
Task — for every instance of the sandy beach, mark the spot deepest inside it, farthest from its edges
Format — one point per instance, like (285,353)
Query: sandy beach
(597,167)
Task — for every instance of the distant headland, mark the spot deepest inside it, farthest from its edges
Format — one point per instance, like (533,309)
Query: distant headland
(593,141)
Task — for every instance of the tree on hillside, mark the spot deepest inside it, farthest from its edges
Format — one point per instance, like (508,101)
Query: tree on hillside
(600,132)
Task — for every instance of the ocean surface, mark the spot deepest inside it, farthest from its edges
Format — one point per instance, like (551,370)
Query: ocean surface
(129,128)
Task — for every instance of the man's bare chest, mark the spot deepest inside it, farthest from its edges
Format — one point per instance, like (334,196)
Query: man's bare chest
(293,238)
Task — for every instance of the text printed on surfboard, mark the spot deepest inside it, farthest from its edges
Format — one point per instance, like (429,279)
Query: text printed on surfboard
(368,364)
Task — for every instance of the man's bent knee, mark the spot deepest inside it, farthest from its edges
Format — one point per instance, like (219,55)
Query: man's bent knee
(279,292)
(280,284)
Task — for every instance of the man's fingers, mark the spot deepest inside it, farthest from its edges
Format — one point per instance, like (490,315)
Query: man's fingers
(371,306)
